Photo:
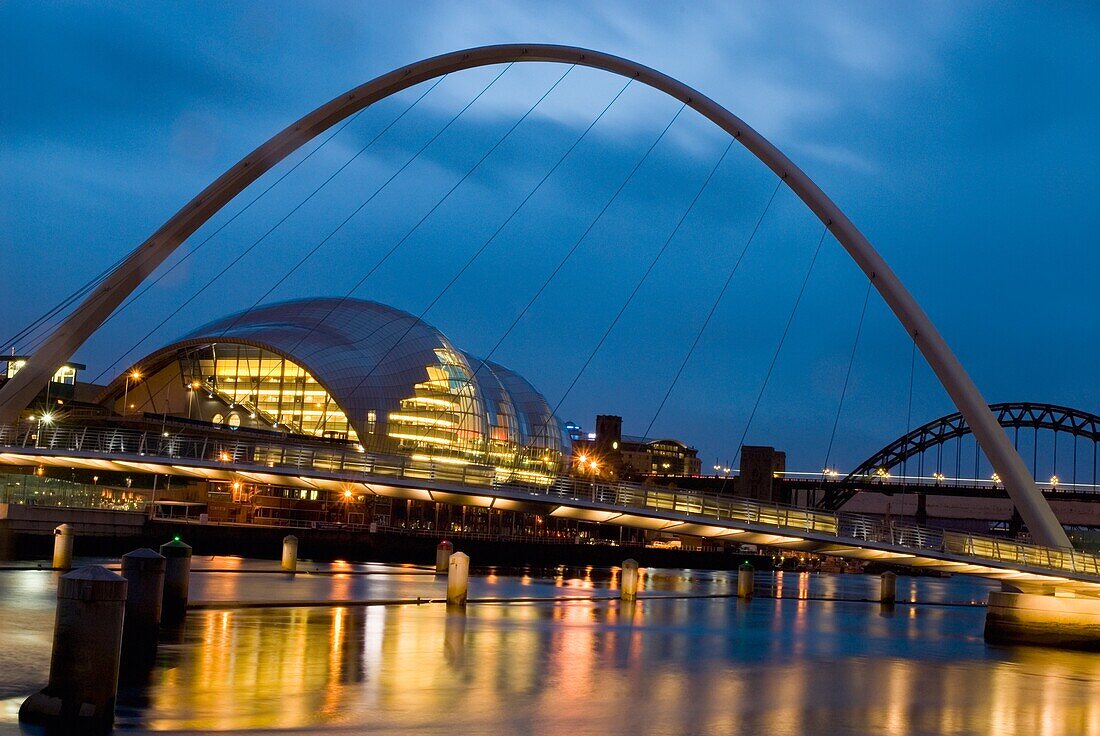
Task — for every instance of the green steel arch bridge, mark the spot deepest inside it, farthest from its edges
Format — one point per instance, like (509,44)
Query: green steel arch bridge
(930,459)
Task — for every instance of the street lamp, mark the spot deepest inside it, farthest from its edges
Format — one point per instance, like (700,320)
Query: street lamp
(43,418)
(1054,481)
(135,374)
(195,386)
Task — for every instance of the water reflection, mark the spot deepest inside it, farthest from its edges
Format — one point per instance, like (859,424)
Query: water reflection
(793,665)
(670,666)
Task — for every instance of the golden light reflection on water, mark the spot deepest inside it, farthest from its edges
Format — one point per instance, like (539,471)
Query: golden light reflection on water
(671,666)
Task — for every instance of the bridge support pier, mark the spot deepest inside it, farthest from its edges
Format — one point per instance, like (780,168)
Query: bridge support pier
(1043,620)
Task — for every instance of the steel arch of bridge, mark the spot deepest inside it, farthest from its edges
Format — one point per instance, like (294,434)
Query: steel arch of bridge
(1010,415)
(60,345)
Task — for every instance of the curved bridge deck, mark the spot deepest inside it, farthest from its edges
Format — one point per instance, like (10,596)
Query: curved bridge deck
(630,504)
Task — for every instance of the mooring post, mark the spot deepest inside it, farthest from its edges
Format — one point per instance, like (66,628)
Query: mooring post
(87,641)
(177,579)
(888,588)
(144,573)
(63,547)
(745,581)
(629,580)
(443,556)
(458,579)
(290,553)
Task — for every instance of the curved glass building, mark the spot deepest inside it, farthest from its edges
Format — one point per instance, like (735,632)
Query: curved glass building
(348,369)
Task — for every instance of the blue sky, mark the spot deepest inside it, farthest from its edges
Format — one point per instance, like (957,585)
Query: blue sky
(958,136)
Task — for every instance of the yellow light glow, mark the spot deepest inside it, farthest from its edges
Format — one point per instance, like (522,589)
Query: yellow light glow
(431,401)
(421,438)
(443,460)
(413,419)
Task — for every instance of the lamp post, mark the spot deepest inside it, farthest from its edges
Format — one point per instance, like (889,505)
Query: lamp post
(136,376)
(44,418)
(195,386)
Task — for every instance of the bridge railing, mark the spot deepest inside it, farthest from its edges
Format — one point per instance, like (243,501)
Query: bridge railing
(237,452)
(1025,554)
(248,455)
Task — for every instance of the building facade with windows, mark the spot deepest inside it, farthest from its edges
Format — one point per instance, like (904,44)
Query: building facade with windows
(609,451)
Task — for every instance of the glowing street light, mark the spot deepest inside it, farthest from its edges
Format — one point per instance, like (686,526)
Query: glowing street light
(996,478)
(1054,481)
(938,476)
(195,386)
(43,418)
(135,376)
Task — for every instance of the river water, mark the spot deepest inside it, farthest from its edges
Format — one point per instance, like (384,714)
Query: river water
(807,656)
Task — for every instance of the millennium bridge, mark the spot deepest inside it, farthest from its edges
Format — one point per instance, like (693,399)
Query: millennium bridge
(1050,565)
(637,505)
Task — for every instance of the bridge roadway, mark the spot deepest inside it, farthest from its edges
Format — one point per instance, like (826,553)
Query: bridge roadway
(930,487)
(1028,567)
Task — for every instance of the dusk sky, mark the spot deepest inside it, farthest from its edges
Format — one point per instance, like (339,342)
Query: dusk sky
(960,138)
